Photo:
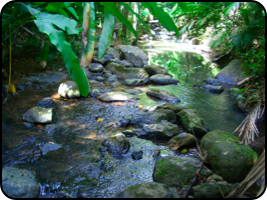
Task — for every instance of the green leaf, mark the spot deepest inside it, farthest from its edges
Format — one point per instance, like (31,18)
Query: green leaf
(44,52)
(138,16)
(162,16)
(56,7)
(45,23)
(112,8)
(108,25)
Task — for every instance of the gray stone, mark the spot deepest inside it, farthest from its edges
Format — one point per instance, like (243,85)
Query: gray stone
(135,82)
(148,190)
(115,84)
(232,73)
(154,69)
(192,122)
(183,139)
(19,183)
(162,130)
(86,72)
(39,115)
(117,144)
(100,78)
(163,79)
(112,78)
(95,67)
(50,146)
(162,94)
(133,54)
(51,129)
(69,90)
(212,89)
(229,159)
(213,81)
(175,108)
(47,77)
(97,92)
(127,73)
(28,85)
(133,91)
(137,155)
(117,96)
(46,102)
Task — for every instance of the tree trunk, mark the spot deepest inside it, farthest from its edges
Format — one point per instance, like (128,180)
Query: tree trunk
(124,29)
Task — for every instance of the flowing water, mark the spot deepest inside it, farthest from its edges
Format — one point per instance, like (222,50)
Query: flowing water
(78,168)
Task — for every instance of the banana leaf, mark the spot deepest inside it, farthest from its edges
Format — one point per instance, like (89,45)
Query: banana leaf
(112,8)
(162,16)
(46,23)
(108,25)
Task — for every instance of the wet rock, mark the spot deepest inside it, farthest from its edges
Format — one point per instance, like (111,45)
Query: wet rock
(20,87)
(134,132)
(95,67)
(163,79)
(117,96)
(69,90)
(28,125)
(38,115)
(117,144)
(125,63)
(127,73)
(162,95)
(51,129)
(140,118)
(50,146)
(100,78)
(86,72)
(154,69)
(112,78)
(46,102)
(212,89)
(135,82)
(28,85)
(133,54)
(114,52)
(137,155)
(47,77)
(183,139)
(213,81)
(175,108)
(115,84)
(133,91)
(211,189)
(229,159)
(192,122)
(98,91)
(162,130)
(148,190)
(177,171)
(232,73)
(19,183)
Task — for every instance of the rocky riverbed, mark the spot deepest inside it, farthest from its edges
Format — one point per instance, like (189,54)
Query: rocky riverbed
(130,137)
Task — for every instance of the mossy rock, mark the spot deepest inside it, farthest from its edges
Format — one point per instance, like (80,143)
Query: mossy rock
(177,171)
(226,156)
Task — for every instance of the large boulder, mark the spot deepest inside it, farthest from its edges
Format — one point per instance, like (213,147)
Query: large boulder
(211,189)
(140,118)
(133,54)
(154,69)
(226,156)
(148,190)
(177,171)
(19,183)
(192,122)
(162,130)
(117,144)
(212,89)
(117,96)
(127,73)
(69,90)
(133,82)
(162,79)
(39,115)
(162,94)
(232,73)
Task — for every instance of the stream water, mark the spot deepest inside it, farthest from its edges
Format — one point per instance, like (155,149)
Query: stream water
(78,168)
